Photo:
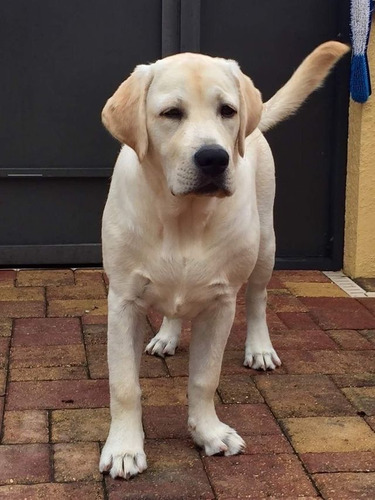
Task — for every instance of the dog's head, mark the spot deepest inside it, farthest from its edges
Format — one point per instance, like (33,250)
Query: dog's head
(189,114)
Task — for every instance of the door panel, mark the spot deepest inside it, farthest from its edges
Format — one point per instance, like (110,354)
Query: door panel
(63,60)
(51,211)
(51,220)
(270,40)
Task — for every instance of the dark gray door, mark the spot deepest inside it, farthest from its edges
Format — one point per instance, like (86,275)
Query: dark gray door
(269,39)
(60,61)
(63,60)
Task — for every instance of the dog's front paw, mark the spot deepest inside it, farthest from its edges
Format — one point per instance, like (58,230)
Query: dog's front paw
(121,462)
(218,438)
(262,360)
(162,345)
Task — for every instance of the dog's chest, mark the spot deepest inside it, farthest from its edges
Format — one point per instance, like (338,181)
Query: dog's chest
(182,286)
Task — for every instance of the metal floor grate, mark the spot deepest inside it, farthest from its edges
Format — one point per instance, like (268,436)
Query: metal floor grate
(348,285)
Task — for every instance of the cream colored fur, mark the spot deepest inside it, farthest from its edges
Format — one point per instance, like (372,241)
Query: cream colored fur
(169,247)
(308,77)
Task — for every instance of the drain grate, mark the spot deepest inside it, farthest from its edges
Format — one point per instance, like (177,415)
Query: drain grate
(346,284)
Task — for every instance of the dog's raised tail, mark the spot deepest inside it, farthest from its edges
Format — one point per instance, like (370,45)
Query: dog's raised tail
(309,76)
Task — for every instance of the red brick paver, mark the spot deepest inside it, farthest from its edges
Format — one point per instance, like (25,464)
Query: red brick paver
(303,396)
(177,472)
(260,476)
(26,426)
(339,313)
(57,394)
(356,461)
(56,491)
(46,331)
(346,486)
(45,278)
(24,463)
(69,465)
(309,427)
(7,278)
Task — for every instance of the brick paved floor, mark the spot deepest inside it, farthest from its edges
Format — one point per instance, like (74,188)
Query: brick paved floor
(309,426)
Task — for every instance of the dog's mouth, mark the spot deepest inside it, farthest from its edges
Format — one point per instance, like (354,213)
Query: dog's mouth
(219,188)
(212,188)
(207,189)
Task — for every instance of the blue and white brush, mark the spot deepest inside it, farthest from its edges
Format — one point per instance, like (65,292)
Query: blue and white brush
(360,24)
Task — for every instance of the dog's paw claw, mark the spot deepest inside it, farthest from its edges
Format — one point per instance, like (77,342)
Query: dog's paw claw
(267,360)
(161,346)
(122,464)
(219,439)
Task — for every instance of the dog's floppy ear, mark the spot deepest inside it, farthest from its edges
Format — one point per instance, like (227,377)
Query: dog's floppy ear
(250,109)
(124,114)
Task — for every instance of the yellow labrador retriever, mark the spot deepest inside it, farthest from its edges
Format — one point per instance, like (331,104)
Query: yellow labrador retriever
(188,220)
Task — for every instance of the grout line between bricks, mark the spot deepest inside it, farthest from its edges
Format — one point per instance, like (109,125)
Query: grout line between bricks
(369,310)
(219,396)
(7,380)
(51,449)
(88,374)
(344,472)
(207,475)
(285,434)
(45,301)
(104,484)
(340,389)
(368,425)
(15,281)
(310,476)
(362,331)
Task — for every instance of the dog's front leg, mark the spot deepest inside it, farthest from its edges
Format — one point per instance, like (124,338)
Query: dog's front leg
(123,453)
(209,336)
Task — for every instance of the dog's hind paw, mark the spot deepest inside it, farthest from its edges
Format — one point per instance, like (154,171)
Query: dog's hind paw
(262,360)
(166,341)
(162,345)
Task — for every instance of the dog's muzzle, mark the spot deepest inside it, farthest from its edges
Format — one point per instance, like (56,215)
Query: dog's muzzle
(212,162)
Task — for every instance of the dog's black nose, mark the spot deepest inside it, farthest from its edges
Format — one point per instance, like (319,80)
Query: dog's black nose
(211,160)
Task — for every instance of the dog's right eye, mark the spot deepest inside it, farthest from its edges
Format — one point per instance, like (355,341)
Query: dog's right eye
(174,113)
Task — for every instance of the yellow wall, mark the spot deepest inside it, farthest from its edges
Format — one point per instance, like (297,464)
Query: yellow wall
(359,251)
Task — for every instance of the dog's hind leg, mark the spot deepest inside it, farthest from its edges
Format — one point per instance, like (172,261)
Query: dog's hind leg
(259,352)
(166,340)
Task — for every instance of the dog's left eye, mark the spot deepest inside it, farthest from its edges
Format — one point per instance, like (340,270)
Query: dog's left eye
(227,111)
(174,113)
